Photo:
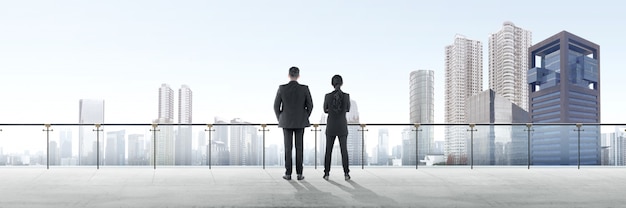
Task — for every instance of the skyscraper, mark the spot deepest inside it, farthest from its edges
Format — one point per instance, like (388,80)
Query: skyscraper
(136,150)
(54,153)
(497,145)
(382,149)
(201,150)
(244,144)
(183,139)
(165,136)
(617,154)
(321,141)
(115,151)
(166,102)
(422,110)
(220,152)
(184,105)
(508,63)
(564,87)
(464,67)
(65,137)
(355,144)
(90,112)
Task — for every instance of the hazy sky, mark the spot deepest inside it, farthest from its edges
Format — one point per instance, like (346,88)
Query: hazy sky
(234,54)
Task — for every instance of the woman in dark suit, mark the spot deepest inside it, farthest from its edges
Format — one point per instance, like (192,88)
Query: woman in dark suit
(336,104)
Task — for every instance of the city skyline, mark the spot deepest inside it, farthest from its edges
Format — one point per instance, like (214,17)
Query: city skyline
(235,55)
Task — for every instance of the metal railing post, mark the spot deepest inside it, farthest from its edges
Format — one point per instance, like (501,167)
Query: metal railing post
(263,130)
(416,130)
(316,130)
(362,130)
(529,129)
(47,130)
(154,130)
(210,130)
(472,130)
(578,126)
(97,130)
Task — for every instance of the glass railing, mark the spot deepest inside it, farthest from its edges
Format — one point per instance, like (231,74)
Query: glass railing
(262,145)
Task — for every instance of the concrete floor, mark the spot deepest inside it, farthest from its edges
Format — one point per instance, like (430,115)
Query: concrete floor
(256,187)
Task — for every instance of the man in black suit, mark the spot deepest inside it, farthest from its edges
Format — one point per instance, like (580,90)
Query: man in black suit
(293,106)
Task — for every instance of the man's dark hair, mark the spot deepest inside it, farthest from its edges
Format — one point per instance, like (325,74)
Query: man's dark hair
(294,72)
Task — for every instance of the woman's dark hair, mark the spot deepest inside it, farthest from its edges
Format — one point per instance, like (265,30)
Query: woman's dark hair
(337,102)
(336,81)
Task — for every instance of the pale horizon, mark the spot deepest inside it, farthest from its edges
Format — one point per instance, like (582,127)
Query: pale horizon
(233,55)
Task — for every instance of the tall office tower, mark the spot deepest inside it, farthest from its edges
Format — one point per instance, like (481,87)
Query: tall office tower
(184,105)
(321,144)
(115,150)
(610,146)
(183,139)
(273,155)
(244,144)
(202,149)
(564,87)
(166,103)
(164,144)
(90,112)
(3,159)
(382,152)
(137,150)
(497,145)
(65,137)
(54,153)
(202,139)
(464,67)
(221,131)
(617,148)
(408,147)
(508,63)
(165,136)
(422,110)
(220,151)
(356,147)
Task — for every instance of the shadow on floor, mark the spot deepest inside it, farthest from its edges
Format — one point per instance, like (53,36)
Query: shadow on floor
(364,195)
(309,195)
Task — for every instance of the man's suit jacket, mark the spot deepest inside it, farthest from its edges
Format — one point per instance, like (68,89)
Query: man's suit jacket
(293,105)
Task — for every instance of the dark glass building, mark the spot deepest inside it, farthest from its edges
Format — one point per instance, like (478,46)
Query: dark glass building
(563,83)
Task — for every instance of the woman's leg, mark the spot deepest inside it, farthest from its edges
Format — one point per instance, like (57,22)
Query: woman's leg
(330,141)
(343,140)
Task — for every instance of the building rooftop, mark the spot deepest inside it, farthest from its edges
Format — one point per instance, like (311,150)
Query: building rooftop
(257,187)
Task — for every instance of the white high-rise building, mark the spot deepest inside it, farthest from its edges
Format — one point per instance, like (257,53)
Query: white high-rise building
(508,63)
(165,136)
(382,148)
(184,105)
(464,67)
(422,110)
(91,111)
(166,102)
(183,139)
(355,144)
